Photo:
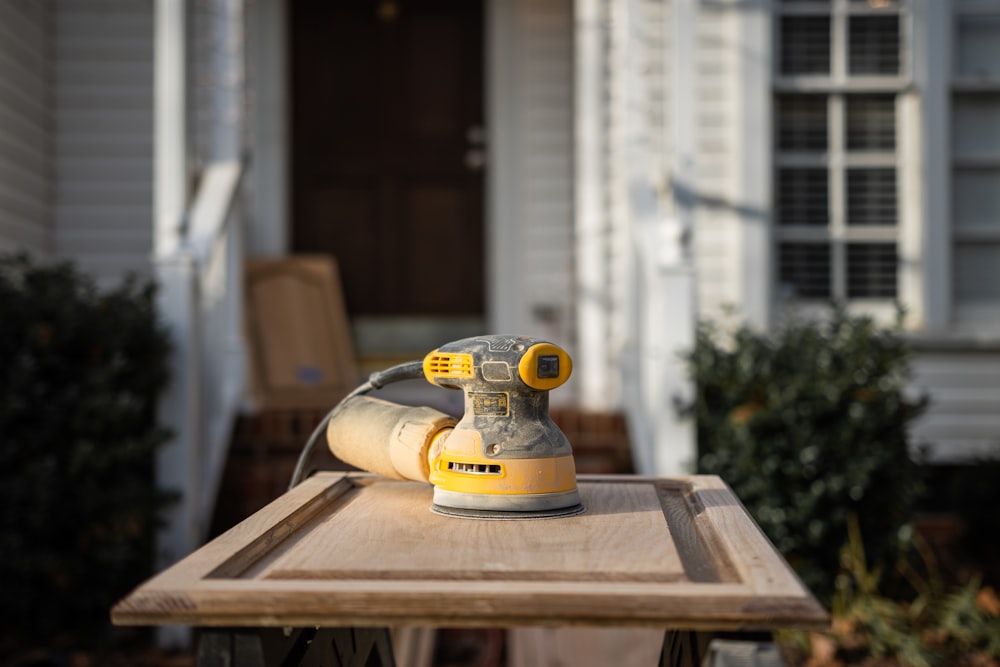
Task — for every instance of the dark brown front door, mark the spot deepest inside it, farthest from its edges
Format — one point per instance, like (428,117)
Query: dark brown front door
(387,109)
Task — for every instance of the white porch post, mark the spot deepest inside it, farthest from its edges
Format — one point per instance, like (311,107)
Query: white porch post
(670,331)
(753,180)
(591,269)
(929,283)
(170,194)
(175,276)
(176,467)
(661,221)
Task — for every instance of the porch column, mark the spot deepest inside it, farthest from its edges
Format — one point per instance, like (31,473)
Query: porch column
(170,180)
(676,447)
(593,372)
(661,206)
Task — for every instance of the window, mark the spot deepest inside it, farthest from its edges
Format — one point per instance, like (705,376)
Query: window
(975,145)
(805,45)
(840,69)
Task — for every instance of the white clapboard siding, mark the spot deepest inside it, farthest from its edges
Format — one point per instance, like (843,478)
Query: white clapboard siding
(103,122)
(636,37)
(656,45)
(545,34)
(25,138)
(716,251)
(620,251)
(963,419)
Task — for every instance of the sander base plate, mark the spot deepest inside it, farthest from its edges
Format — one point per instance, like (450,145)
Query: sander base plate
(501,515)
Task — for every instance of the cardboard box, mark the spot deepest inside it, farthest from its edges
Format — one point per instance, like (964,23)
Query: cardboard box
(301,353)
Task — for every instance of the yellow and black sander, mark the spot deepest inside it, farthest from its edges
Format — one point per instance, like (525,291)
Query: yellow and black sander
(504,459)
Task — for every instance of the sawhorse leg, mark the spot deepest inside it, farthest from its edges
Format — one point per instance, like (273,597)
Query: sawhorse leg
(309,647)
(684,648)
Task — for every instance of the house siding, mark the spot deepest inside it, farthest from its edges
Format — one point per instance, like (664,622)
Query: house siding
(731,245)
(635,37)
(25,127)
(716,233)
(546,165)
(620,252)
(103,128)
(715,244)
(962,420)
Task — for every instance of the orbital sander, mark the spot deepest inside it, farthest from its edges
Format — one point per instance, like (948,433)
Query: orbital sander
(504,459)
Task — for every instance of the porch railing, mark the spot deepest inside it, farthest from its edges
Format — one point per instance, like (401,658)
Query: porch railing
(201,299)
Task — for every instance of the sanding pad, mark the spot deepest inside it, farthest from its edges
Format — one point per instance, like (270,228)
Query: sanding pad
(506,506)
(500,515)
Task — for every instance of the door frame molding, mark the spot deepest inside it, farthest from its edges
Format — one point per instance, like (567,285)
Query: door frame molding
(505,306)
(270,171)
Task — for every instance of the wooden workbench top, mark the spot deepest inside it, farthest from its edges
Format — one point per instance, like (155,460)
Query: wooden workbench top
(354,549)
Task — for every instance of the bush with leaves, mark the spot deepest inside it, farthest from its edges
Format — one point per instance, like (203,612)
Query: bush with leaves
(937,626)
(80,372)
(809,425)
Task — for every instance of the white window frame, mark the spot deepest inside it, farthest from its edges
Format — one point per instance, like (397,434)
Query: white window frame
(971,317)
(943,319)
(837,160)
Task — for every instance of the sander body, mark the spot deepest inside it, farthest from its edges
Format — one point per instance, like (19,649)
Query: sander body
(505,458)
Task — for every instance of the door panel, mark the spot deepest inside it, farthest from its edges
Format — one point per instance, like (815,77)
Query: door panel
(384,96)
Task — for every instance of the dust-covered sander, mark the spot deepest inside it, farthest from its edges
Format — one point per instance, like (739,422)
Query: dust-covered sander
(504,459)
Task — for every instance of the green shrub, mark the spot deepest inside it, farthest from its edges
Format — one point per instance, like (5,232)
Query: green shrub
(809,425)
(80,372)
(938,625)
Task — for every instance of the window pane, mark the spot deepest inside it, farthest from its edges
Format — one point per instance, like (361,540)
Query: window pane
(977,48)
(871,122)
(873,45)
(805,44)
(804,270)
(871,270)
(976,124)
(871,196)
(977,272)
(976,194)
(802,197)
(801,122)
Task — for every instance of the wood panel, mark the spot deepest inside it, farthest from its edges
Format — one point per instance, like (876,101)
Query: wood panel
(537,550)
(356,549)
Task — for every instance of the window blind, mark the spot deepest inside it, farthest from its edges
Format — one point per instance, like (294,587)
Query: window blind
(804,270)
(871,270)
(871,196)
(871,122)
(801,122)
(873,45)
(805,44)
(802,196)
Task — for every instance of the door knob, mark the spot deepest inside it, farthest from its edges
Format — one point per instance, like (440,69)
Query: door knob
(475,135)
(475,159)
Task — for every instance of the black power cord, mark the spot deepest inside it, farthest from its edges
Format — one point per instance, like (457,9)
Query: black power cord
(411,370)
